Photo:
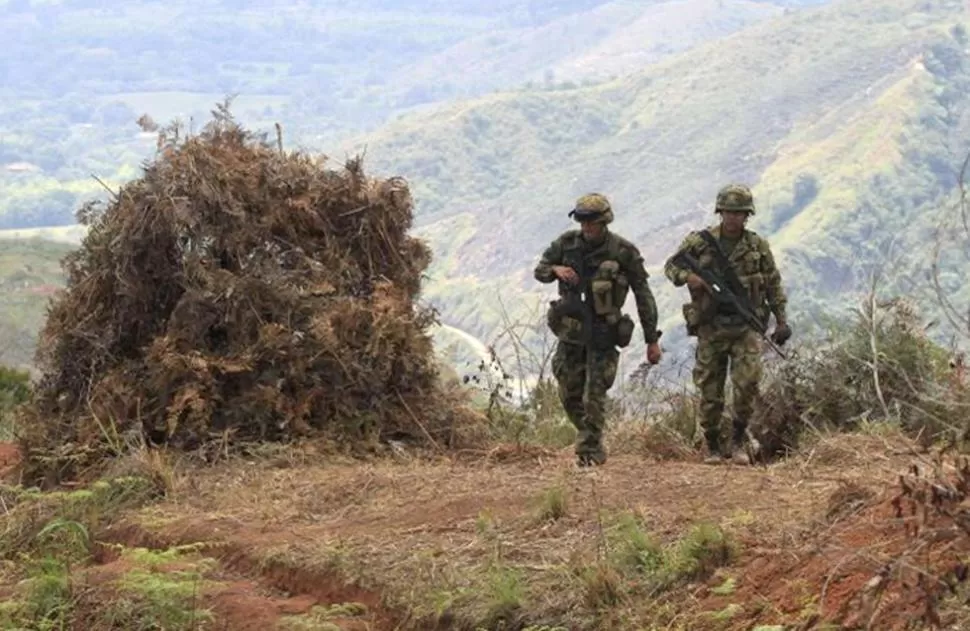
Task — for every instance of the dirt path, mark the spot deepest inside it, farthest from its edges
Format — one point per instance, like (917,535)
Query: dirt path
(416,536)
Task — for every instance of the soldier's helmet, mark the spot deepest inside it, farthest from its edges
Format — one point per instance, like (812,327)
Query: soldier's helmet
(735,197)
(592,207)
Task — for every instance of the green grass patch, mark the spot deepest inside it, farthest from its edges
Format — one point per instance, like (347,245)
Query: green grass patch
(636,554)
(146,596)
(37,520)
(48,543)
(553,504)
(149,596)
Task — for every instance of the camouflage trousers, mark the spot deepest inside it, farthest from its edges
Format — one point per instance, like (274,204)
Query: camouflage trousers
(583,394)
(716,347)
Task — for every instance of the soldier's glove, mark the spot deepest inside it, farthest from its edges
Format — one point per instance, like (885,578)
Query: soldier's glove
(781,334)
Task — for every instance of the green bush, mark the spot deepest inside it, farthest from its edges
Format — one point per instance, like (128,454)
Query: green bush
(881,367)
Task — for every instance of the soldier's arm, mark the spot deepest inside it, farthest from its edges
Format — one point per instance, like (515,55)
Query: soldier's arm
(550,257)
(646,304)
(675,273)
(775,292)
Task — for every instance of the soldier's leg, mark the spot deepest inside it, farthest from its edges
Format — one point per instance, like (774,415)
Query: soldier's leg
(746,372)
(710,374)
(569,369)
(602,375)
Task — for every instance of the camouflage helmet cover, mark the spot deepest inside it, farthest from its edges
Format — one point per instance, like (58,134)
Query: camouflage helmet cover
(593,207)
(735,197)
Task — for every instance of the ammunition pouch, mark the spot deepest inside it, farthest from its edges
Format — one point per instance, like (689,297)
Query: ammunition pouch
(624,331)
(608,289)
(699,311)
(564,324)
(567,325)
(603,289)
(691,318)
(757,296)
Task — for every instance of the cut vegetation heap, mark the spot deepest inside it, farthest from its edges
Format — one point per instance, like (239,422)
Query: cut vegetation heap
(235,293)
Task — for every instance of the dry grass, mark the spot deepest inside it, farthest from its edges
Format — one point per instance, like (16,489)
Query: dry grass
(527,541)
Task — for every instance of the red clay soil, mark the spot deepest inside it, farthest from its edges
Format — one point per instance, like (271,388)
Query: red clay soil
(881,567)
(9,459)
(253,594)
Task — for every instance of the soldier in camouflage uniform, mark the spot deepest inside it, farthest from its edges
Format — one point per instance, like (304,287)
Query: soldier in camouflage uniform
(722,335)
(604,266)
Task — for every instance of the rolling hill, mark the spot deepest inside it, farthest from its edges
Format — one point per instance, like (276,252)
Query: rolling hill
(323,69)
(30,273)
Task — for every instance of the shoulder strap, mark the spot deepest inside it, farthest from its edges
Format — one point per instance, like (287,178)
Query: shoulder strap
(730,274)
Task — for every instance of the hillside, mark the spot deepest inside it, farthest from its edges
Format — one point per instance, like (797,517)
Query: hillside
(604,40)
(859,102)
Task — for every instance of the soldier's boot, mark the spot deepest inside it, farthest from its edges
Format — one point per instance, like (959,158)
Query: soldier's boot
(591,459)
(738,453)
(589,445)
(590,454)
(589,448)
(712,437)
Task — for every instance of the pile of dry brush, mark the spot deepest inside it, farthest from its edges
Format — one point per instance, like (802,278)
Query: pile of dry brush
(237,292)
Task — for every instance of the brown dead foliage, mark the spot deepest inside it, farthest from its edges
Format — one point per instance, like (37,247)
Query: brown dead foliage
(236,292)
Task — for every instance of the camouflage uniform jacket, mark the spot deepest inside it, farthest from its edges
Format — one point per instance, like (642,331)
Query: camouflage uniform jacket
(755,266)
(587,259)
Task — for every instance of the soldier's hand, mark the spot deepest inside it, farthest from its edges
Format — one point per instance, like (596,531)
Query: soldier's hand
(696,282)
(654,353)
(566,274)
(781,333)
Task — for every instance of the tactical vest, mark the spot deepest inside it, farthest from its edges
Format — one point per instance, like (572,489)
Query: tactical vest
(602,290)
(702,310)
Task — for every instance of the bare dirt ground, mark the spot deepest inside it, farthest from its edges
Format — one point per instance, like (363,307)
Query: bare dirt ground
(422,544)
(9,458)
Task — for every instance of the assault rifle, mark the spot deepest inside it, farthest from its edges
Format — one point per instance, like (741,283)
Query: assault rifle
(723,295)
